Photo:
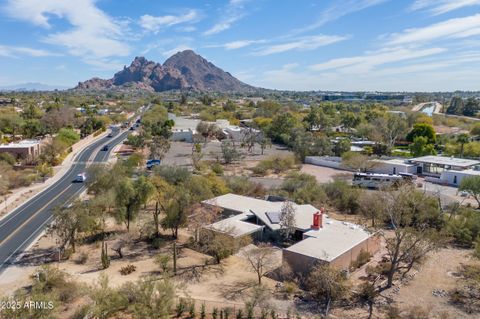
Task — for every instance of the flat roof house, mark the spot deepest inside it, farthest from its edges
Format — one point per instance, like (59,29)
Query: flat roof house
(431,165)
(26,149)
(320,238)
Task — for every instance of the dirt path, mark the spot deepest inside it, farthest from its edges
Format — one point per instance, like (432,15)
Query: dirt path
(435,274)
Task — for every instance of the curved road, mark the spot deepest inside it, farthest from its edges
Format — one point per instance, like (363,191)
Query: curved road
(24,224)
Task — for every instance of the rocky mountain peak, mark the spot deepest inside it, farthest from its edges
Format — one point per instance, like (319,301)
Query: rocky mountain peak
(184,70)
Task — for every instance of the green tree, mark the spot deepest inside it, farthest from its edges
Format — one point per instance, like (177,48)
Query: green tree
(282,125)
(456,106)
(421,147)
(342,146)
(230,153)
(159,146)
(358,161)
(349,120)
(471,184)
(389,128)
(471,107)
(130,196)
(176,211)
(69,222)
(423,130)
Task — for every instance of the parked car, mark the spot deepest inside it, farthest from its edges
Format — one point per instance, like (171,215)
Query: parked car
(152,163)
(105,148)
(80,178)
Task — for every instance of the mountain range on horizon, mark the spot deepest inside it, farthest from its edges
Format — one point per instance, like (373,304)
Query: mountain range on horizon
(32,86)
(185,71)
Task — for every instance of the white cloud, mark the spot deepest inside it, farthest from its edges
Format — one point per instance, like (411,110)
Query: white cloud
(93,35)
(241,44)
(233,12)
(437,7)
(155,24)
(14,51)
(179,48)
(301,44)
(234,45)
(453,28)
(367,62)
(338,9)
(427,77)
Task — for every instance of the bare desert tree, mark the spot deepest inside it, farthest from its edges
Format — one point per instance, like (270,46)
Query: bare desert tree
(414,218)
(200,216)
(287,220)
(261,260)
(327,285)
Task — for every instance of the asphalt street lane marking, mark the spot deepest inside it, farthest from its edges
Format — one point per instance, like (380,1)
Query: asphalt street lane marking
(35,214)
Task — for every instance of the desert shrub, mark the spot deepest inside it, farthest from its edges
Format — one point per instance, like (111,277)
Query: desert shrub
(380,269)
(217,168)
(290,287)
(191,309)
(362,258)
(249,311)
(82,258)
(158,243)
(276,164)
(162,261)
(181,307)
(465,227)
(8,158)
(173,174)
(243,186)
(417,312)
(107,301)
(227,312)
(214,313)
(81,312)
(67,253)
(467,295)
(151,297)
(342,196)
(303,189)
(49,280)
(476,251)
(128,269)
(203,312)
(239,314)
(68,136)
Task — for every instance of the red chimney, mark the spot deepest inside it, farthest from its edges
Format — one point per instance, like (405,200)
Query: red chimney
(318,220)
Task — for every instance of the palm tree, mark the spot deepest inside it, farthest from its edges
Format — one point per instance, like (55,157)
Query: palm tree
(462,139)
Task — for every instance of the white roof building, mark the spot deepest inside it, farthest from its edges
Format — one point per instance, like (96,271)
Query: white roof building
(331,241)
(335,242)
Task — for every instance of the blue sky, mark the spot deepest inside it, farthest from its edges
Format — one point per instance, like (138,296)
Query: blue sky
(385,45)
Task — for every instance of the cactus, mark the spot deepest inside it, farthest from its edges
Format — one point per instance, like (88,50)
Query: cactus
(175,257)
(104,257)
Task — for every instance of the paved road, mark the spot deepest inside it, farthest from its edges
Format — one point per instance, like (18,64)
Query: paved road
(25,223)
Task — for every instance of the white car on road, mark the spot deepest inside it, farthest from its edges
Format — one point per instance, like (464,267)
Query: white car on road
(80,178)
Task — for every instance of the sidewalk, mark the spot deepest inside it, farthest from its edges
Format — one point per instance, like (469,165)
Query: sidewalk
(22,195)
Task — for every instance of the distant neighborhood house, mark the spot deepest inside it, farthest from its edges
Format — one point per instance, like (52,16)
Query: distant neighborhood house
(436,169)
(26,149)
